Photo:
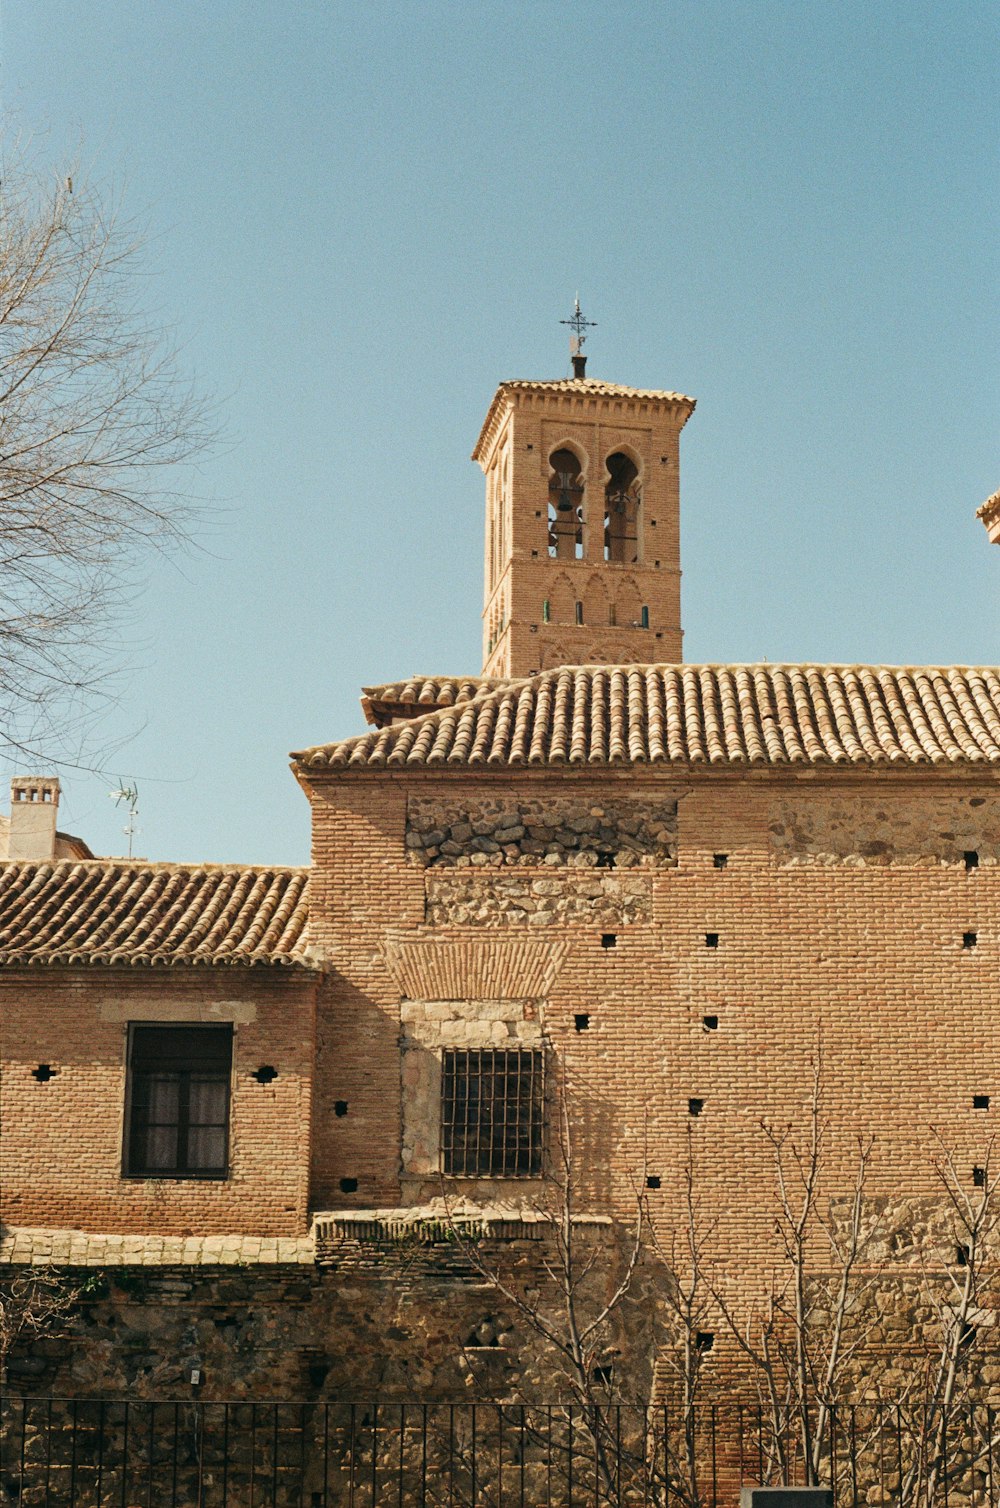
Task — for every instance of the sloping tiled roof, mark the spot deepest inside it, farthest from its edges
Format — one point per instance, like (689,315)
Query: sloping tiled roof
(989,512)
(127,913)
(421,693)
(722,715)
(581,387)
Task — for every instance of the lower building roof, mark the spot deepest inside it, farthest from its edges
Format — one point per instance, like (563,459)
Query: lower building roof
(118,912)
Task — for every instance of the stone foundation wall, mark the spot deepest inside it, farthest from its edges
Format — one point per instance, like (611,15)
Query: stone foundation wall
(387,1316)
(490,900)
(553,830)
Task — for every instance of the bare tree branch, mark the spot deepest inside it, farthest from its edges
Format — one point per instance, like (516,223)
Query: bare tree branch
(96,422)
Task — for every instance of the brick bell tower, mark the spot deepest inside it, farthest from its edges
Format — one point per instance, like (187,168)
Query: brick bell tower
(582,524)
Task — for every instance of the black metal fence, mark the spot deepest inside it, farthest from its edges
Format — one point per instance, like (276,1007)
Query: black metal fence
(77,1453)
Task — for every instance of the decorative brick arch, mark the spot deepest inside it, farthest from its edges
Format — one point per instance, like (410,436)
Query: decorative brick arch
(562,600)
(558,654)
(628,602)
(596,602)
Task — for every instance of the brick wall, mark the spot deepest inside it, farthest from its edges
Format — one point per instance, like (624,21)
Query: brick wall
(814,940)
(62,1139)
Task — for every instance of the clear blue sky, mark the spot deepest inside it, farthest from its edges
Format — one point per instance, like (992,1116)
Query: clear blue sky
(365,216)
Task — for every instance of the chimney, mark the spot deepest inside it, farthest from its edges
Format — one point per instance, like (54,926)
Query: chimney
(34,801)
(579,366)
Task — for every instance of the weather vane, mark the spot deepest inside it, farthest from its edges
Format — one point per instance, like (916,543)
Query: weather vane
(579,326)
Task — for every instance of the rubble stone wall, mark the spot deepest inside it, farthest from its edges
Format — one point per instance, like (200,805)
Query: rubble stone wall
(491,900)
(887,827)
(553,830)
(378,1317)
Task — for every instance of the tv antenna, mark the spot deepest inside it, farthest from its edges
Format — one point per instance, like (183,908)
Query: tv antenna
(129,796)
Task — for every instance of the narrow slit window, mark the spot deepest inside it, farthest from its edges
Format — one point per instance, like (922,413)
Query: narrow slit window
(492,1104)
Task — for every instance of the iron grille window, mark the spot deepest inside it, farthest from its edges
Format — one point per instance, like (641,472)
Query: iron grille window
(491,1113)
(178,1094)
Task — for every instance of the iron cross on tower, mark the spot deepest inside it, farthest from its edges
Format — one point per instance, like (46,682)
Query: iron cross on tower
(579,325)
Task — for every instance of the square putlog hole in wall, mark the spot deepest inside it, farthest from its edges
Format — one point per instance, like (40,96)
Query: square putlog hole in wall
(653,1181)
(581,1021)
(609,939)
(720,860)
(971,858)
(969,939)
(340,1107)
(348,1185)
(979,1178)
(711,939)
(710,1023)
(695,1107)
(980,1102)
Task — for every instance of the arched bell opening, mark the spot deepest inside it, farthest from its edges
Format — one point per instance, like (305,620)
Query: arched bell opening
(565,506)
(622,501)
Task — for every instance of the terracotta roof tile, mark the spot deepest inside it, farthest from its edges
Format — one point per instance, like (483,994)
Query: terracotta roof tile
(989,512)
(594,385)
(420,694)
(104,911)
(699,714)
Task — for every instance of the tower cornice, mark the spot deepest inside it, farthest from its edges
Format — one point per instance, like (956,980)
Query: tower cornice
(589,394)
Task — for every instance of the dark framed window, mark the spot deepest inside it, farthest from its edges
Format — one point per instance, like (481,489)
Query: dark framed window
(177,1122)
(492,1112)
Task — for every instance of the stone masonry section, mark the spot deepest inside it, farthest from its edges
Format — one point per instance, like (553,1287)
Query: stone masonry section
(498,900)
(927,830)
(390,1315)
(554,831)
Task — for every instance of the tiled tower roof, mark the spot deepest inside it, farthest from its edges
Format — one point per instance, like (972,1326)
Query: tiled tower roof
(717,715)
